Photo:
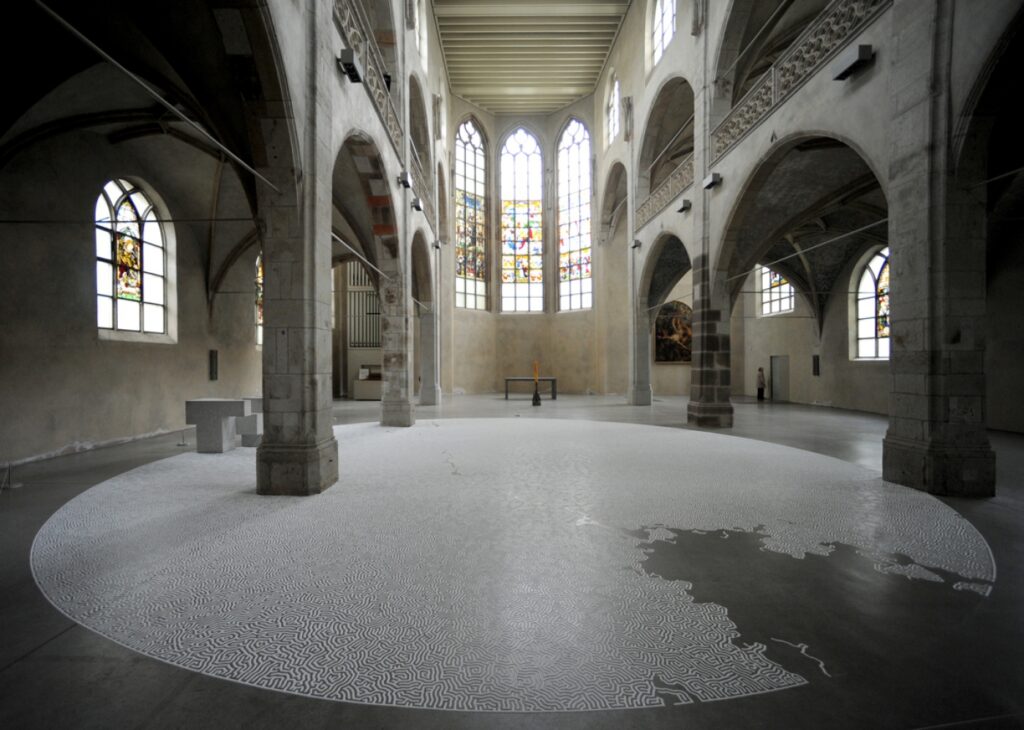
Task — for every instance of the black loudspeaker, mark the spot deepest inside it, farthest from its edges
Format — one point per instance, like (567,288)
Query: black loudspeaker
(213,364)
(816,365)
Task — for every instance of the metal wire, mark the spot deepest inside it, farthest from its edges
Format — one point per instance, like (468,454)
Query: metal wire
(155,94)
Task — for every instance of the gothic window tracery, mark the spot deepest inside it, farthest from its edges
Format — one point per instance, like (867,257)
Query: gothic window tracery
(522,231)
(131,261)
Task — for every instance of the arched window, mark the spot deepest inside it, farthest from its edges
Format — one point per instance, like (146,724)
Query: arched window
(776,292)
(259,299)
(131,262)
(522,238)
(613,111)
(873,323)
(575,288)
(470,219)
(664,26)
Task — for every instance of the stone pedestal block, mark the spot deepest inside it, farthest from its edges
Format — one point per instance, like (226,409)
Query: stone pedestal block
(251,426)
(296,470)
(950,470)
(214,419)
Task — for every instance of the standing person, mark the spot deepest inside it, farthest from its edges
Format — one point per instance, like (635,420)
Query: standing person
(760,383)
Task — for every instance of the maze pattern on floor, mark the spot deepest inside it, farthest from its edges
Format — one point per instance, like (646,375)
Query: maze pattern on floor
(484,565)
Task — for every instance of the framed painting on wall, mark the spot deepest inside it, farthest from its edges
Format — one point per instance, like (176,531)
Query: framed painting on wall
(673,332)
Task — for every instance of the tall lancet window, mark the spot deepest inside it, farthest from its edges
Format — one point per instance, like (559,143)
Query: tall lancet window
(664,26)
(575,286)
(131,262)
(470,218)
(873,322)
(522,237)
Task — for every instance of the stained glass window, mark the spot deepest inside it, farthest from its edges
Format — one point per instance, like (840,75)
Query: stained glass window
(470,219)
(575,286)
(130,261)
(776,292)
(873,317)
(522,238)
(614,111)
(664,26)
(259,299)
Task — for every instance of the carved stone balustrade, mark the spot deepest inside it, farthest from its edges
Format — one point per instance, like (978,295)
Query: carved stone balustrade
(680,179)
(836,26)
(357,31)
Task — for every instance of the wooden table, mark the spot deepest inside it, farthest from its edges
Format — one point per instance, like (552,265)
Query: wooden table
(529,379)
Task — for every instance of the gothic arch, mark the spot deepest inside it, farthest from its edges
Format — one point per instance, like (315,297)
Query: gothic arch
(668,135)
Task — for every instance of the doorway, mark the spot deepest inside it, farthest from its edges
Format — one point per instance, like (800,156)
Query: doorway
(779,382)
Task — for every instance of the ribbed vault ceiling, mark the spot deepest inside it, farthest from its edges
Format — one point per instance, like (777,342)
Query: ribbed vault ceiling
(522,57)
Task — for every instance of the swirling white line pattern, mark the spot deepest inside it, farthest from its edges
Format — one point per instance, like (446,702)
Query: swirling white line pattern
(485,565)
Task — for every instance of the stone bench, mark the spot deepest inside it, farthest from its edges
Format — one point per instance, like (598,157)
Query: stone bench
(214,419)
(251,426)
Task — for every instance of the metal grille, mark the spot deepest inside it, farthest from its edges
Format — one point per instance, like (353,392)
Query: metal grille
(363,309)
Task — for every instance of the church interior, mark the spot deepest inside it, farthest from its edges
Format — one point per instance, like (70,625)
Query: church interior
(511,364)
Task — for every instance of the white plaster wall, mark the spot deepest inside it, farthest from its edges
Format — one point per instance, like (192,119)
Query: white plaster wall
(843,383)
(62,387)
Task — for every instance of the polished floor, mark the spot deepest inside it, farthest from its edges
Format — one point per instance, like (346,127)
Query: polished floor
(874,641)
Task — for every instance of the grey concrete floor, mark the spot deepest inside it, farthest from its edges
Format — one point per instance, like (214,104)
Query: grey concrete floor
(909,656)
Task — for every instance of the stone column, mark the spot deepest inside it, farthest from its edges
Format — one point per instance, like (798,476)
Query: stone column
(640,392)
(396,342)
(298,454)
(937,439)
(711,371)
(429,385)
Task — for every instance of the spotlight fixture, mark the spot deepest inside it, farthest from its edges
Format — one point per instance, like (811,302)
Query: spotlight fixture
(350,66)
(636,243)
(712,180)
(686,205)
(852,60)
(405,179)
(417,204)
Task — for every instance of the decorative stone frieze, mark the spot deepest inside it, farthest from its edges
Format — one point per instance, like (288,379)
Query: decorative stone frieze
(831,31)
(357,31)
(680,179)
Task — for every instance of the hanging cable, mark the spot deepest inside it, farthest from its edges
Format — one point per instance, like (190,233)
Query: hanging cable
(155,94)
(811,248)
(783,5)
(997,177)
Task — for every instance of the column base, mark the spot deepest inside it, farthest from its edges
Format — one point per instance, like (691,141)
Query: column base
(397,413)
(709,415)
(296,470)
(640,396)
(428,395)
(943,469)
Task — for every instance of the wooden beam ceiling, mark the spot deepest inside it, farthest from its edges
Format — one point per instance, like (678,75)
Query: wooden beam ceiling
(526,57)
